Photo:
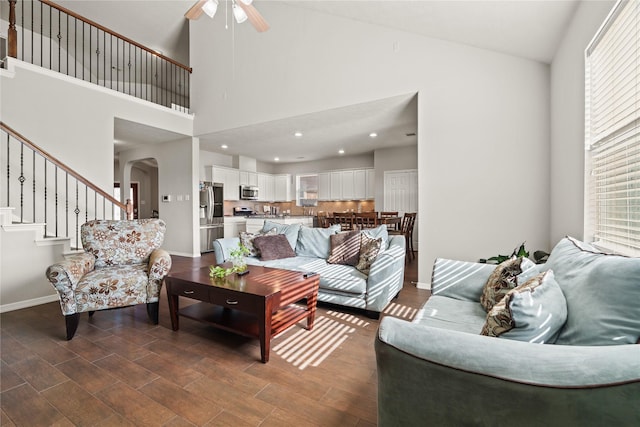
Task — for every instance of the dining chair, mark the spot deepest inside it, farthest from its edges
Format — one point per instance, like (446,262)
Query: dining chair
(363,220)
(345,219)
(406,230)
(391,219)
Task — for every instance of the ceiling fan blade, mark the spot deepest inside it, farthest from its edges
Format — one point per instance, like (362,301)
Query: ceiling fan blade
(196,10)
(254,17)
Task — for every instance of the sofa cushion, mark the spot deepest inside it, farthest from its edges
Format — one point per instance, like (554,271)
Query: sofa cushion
(503,279)
(532,312)
(345,248)
(246,239)
(273,247)
(602,292)
(452,314)
(315,241)
(289,230)
(369,250)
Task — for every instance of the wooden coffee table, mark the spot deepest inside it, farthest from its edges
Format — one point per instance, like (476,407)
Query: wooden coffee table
(260,304)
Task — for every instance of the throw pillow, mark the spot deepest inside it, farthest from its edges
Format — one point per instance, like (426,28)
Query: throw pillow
(345,248)
(369,249)
(602,291)
(533,312)
(380,231)
(289,230)
(273,247)
(314,241)
(501,281)
(247,240)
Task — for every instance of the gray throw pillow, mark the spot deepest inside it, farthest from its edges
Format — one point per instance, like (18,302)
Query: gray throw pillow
(289,230)
(314,242)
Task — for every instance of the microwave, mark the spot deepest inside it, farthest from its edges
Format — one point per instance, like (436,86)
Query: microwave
(248,192)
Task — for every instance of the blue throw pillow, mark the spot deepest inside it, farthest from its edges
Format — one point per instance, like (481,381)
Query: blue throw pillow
(533,312)
(289,230)
(314,242)
(602,292)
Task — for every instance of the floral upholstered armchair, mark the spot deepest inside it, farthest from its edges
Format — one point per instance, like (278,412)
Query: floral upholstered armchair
(122,265)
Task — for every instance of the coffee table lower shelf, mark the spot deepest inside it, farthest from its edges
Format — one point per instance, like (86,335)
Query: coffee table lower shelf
(242,323)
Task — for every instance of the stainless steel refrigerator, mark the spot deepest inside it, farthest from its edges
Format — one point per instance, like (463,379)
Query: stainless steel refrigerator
(211,214)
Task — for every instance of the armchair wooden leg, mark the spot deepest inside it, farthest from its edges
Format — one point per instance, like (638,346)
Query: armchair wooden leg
(152,311)
(72,324)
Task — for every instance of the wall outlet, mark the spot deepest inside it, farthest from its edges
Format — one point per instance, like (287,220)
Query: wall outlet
(179,198)
(186,197)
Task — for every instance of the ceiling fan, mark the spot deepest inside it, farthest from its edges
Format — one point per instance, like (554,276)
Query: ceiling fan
(242,10)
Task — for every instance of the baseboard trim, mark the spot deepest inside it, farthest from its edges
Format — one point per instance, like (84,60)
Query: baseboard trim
(421,285)
(28,303)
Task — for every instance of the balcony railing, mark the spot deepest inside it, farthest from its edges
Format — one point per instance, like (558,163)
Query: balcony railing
(53,37)
(44,190)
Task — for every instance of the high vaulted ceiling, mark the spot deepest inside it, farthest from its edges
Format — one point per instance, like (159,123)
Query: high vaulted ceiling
(529,29)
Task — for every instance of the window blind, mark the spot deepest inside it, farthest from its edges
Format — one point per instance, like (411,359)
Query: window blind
(612,134)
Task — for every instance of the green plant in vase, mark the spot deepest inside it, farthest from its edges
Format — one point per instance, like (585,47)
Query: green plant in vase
(237,258)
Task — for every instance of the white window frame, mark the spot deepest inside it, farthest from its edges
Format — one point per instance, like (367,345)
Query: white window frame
(612,132)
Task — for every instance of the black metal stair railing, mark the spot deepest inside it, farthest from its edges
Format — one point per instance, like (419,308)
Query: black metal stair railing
(45,190)
(53,37)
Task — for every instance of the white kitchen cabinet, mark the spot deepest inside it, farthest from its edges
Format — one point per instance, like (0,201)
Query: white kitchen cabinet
(230,178)
(255,224)
(248,178)
(360,184)
(282,188)
(371,184)
(235,225)
(266,189)
(324,188)
(335,185)
(348,186)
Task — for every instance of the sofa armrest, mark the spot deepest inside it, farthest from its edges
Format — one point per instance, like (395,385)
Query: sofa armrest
(422,369)
(223,247)
(159,266)
(65,276)
(386,275)
(461,280)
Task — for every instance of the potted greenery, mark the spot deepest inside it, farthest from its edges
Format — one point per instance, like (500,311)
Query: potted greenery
(539,256)
(238,261)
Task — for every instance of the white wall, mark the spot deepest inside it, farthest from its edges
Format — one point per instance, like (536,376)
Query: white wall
(567,121)
(178,176)
(483,117)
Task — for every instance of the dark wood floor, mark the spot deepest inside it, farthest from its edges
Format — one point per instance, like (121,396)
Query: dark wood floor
(121,370)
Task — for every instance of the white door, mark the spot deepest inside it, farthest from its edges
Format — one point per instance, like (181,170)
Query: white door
(401,194)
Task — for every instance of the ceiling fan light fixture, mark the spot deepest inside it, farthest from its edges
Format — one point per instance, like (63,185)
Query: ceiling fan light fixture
(239,14)
(210,7)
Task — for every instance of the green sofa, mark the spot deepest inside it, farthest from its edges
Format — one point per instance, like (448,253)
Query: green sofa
(439,370)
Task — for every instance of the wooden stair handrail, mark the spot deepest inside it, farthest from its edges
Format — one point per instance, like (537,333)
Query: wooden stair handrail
(13,36)
(127,207)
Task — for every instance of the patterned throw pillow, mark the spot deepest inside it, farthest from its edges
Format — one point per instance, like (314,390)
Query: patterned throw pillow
(345,248)
(369,249)
(273,247)
(247,240)
(533,312)
(501,281)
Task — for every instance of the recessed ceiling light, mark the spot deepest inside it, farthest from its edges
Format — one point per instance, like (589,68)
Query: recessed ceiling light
(341,151)
(297,134)
(373,134)
(277,159)
(224,146)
